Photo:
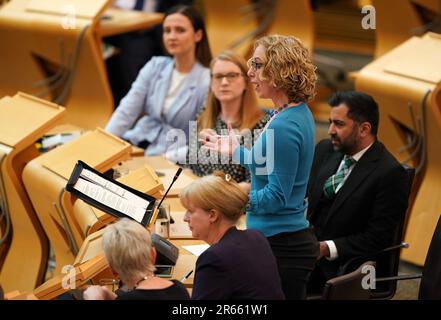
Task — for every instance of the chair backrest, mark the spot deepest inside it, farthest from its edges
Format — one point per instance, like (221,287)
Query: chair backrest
(388,262)
(430,287)
(349,286)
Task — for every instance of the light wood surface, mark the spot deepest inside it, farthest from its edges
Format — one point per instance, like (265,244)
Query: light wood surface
(84,9)
(425,64)
(73,279)
(64,37)
(97,147)
(23,120)
(117,21)
(301,27)
(45,179)
(51,43)
(226,24)
(165,170)
(393,29)
(30,113)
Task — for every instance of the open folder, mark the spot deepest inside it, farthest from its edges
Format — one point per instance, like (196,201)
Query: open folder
(110,195)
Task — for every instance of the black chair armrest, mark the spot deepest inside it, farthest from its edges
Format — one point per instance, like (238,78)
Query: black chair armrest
(402,245)
(398,278)
(344,269)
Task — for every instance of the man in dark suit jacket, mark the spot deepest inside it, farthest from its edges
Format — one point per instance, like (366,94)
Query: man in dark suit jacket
(354,207)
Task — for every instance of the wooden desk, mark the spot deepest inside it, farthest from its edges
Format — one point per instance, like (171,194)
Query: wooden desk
(23,120)
(45,179)
(62,53)
(166,171)
(186,261)
(117,21)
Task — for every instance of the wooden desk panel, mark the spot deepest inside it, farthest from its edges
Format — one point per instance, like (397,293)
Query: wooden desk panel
(186,261)
(117,21)
(165,169)
(38,55)
(23,120)
(45,179)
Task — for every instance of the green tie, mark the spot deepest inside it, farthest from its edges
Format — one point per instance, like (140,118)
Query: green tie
(334,181)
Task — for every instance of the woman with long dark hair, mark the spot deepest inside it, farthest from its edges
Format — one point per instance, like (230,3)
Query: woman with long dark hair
(168,91)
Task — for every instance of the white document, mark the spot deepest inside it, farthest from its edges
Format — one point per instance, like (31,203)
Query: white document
(179,229)
(112,187)
(111,199)
(197,249)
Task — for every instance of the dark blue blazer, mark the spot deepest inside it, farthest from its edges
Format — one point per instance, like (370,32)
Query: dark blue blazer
(240,266)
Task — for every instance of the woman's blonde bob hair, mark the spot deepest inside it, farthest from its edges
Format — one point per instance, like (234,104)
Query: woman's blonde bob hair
(288,67)
(127,246)
(250,113)
(217,191)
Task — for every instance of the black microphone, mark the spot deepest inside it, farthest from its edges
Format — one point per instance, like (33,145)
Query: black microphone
(167,252)
(169,187)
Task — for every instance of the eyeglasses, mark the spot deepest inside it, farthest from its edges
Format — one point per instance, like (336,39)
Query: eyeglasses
(254,65)
(230,76)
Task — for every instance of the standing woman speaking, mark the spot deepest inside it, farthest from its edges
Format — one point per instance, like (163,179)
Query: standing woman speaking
(281,70)
(169,91)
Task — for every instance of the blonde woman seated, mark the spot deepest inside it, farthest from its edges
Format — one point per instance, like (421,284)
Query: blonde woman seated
(128,249)
(239,263)
(231,100)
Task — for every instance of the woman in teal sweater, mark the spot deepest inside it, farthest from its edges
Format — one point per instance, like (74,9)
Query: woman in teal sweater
(280,160)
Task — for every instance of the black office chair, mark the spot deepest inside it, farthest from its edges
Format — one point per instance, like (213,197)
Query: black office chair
(388,259)
(430,286)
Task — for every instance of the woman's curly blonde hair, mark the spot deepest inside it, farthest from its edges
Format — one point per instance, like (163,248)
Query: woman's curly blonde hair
(288,67)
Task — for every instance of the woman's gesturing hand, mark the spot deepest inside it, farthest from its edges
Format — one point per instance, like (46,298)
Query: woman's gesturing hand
(221,144)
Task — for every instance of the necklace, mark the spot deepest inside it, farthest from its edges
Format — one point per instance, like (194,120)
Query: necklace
(275,113)
(280,109)
(142,279)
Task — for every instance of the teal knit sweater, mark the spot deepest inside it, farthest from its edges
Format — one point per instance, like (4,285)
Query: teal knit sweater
(279,163)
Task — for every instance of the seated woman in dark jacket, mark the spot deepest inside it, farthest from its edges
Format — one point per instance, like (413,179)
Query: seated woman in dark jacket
(239,263)
(128,249)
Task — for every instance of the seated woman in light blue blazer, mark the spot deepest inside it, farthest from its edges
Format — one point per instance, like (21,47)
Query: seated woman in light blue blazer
(169,91)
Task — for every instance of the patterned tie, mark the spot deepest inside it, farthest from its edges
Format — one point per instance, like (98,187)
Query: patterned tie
(334,181)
